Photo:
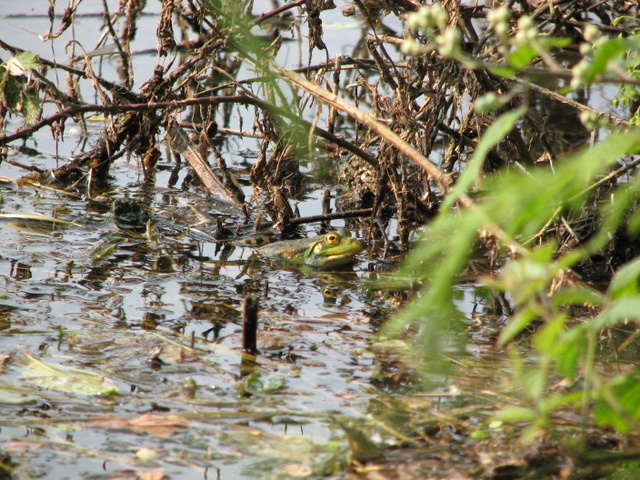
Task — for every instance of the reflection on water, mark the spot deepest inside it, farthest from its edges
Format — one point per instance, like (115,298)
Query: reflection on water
(162,321)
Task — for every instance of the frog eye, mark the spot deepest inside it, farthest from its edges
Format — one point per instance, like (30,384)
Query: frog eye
(332,238)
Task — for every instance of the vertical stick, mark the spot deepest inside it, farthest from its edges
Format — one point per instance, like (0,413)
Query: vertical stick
(249,324)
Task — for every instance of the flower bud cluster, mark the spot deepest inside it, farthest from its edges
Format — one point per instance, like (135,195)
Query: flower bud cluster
(413,48)
(488,102)
(527,32)
(592,37)
(449,42)
(431,20)
(579,72)
(593,40)
(592,120)
(428,17)
(499,21)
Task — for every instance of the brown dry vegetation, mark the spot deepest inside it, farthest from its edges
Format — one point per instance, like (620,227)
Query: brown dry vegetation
(425,101)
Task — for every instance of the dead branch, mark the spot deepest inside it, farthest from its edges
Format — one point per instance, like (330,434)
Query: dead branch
(180,143)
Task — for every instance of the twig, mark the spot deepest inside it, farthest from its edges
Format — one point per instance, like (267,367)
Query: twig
(618,122)
(141,107)
(444,180)
(332,216)
(250,325)
(277,11)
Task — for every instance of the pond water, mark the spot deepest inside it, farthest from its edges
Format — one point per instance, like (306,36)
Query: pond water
(120,355)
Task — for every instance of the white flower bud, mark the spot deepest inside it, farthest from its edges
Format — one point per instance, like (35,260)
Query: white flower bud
(425,16)
(525,22)
(449,42)
(502,29)
(498,16)
(591,33)
(585,48)
(412,48)
(439,15)
(579,71)
(414,21)
(520,37)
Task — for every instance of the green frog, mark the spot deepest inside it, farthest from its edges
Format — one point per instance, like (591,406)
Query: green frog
(330,250)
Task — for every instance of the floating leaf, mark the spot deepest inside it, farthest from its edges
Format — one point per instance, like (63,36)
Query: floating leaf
(66,379)
(152,420)
(260,383)
(158,424)
(35,223)
(14,396)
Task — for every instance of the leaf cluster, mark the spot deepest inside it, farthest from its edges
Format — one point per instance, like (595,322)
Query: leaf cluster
(14,83)
(513,211)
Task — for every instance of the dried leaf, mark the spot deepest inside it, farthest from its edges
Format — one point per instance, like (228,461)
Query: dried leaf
(158,420)
(180,143)
(152,475)
(158,424)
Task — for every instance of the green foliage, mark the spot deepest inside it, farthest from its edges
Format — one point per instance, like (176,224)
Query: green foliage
(494,135)
(520,207)
(625,283)
(14,81)
(629,92)
(521,204)
(258,50)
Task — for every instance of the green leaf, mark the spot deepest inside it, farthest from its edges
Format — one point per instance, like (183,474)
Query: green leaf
(619,403)
(503,71)
(627,308)
(479,435)
(515,414)
(517,324)
(570,351)
(625,282)
(545,339)
(606,52)
(526,202)
(522,56)
(494,135)
(554,42)
(535,383)
(30,108)
(578,295)
(28,60)
(633,224)
(531,275)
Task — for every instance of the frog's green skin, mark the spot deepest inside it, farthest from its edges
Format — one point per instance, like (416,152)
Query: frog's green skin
(323,251)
